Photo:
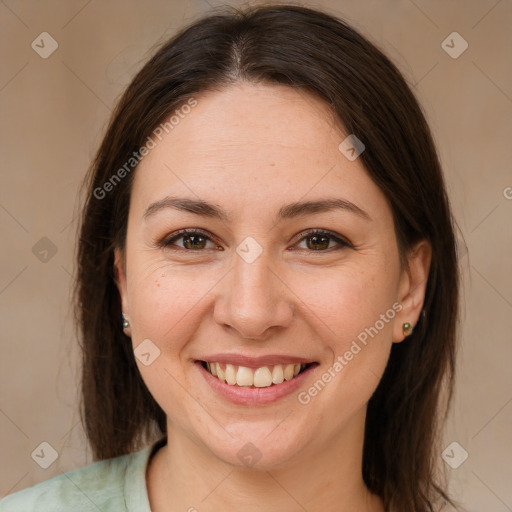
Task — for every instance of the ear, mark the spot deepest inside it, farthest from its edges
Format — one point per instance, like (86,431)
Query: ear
(411,290)
(120,280)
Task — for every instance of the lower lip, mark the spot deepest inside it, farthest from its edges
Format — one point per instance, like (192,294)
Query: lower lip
(244,395)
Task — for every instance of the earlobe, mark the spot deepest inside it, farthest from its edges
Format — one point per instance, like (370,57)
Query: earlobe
(407,329)
(412,288)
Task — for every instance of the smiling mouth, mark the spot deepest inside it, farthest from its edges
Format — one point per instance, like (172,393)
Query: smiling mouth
(263,377)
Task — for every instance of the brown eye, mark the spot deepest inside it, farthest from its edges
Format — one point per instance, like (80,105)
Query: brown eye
(321,241)
(194,242)
(317,242)
(189,240)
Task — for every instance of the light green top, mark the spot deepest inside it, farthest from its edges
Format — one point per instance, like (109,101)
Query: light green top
(113,485)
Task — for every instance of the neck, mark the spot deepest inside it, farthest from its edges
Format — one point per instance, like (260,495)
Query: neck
(185,476)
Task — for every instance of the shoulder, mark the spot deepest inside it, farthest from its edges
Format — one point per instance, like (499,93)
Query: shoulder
(99,486)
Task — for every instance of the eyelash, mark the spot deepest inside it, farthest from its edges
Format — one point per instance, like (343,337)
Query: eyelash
(168,242)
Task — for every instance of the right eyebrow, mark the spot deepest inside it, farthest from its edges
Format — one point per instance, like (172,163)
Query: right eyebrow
(197,206)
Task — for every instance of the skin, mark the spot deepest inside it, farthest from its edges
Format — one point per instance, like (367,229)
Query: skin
(252,149)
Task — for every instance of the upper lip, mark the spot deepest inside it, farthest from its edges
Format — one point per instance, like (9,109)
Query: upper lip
(254,362)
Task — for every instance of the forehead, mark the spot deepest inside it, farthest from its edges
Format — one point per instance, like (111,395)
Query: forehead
(253,144)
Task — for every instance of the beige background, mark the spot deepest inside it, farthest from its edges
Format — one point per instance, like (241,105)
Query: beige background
(54,111)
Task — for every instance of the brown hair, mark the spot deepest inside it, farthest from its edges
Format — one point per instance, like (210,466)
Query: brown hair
(322,55)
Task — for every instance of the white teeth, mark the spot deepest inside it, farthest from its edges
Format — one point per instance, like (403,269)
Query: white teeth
(277,374)
(262,377)
(244,376)
(288,372)
(230,374)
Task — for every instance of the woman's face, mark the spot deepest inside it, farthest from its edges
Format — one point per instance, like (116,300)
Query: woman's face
(253,283)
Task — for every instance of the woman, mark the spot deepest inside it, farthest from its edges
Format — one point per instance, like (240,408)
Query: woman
(268,218)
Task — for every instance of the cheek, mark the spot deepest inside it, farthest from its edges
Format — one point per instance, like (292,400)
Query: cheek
(166,304)
(352,312)
(165,301)
(345,301)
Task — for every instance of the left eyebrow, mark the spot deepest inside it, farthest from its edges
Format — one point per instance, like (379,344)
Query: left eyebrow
(290,211)
(319,206)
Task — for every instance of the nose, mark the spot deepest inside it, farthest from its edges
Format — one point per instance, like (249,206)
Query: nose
(254,301)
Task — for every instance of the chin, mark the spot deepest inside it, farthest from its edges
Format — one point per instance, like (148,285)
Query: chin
(264,446)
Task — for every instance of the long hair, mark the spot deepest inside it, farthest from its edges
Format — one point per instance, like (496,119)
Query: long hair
(312,51)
